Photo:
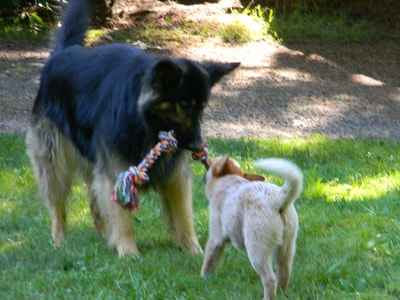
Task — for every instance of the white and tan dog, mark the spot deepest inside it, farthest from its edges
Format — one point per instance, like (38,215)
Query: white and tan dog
(255,216)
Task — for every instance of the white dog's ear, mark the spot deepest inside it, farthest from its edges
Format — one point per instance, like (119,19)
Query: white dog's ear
(226,166)
(219,166)
(254,177)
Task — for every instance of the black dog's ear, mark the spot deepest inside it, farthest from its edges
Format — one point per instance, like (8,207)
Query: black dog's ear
(166,74)
(217,70)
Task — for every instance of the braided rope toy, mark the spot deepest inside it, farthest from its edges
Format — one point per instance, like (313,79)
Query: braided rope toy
(125,193)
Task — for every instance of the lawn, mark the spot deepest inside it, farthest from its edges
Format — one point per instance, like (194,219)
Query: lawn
(348,244)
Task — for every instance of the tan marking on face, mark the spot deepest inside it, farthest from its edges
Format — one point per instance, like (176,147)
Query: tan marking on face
(179,111)
(145,96)
(163,106)
(186,122)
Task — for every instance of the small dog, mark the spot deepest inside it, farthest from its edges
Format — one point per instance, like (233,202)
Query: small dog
(99,111)
(254,216)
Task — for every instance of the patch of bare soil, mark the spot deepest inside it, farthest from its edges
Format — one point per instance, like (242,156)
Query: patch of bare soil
(286,90)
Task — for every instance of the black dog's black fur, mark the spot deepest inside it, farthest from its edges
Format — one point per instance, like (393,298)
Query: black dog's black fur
(92,95)
(110,102)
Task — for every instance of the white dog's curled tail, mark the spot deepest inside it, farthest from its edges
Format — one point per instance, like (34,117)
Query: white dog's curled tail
(292,175)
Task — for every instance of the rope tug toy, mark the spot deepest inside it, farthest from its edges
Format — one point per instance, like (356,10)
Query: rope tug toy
(125,193)
(202,155)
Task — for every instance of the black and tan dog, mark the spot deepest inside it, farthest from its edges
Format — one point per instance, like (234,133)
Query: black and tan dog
(99,111)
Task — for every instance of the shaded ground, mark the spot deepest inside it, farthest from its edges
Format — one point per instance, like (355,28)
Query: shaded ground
(288,90)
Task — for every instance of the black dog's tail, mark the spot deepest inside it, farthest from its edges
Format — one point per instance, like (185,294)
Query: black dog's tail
(75,24)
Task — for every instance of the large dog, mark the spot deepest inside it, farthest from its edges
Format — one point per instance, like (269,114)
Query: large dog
(256,217)
(99,111)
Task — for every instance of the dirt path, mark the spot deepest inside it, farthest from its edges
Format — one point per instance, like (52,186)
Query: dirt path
(288,90)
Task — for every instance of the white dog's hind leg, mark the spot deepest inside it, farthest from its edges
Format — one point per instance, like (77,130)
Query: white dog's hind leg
(212,255)
(262,237)
(286,252)
(262,264)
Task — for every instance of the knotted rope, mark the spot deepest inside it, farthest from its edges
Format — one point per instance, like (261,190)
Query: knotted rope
(125,192)
(202,155)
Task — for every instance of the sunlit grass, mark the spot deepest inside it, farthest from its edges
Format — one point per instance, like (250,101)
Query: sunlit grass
(94,36)
(305,24)
(341,170)
(348,245)
(241,28)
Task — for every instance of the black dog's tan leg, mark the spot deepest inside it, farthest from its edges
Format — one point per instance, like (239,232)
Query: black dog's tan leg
(118,221)
(98,220)
(58,221)
(176,196)
(49,152)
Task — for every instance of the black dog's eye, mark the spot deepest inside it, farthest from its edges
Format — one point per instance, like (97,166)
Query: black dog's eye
(187,104)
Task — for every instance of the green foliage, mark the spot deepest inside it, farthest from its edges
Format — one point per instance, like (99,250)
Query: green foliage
(33,20)
(26,29)
(264,15)
(250,24)
(22,21)
(257,23)
(348,245)
(253,23)
(303,24)
(7,6)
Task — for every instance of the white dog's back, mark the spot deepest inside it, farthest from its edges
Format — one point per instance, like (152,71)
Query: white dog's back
(290,173)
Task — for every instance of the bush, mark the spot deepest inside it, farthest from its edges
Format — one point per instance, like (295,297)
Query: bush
(381,11)
(24,18)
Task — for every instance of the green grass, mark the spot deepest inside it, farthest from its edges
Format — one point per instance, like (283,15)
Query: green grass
(235,28)
(348,245)
(257,24)
(338,27)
